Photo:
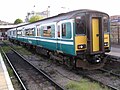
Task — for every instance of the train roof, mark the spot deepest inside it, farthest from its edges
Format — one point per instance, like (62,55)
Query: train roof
(68,15)
(63,16)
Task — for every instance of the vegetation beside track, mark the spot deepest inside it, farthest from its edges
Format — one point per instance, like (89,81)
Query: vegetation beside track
(84,84)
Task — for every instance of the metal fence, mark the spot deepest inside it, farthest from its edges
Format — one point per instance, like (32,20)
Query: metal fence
(115,34)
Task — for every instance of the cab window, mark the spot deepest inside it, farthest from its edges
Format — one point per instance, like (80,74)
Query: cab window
(105,24)
(80,25)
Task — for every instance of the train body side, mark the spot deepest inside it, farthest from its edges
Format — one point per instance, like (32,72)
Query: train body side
(62,44)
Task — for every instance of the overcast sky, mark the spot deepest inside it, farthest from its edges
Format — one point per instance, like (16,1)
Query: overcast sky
(13,9)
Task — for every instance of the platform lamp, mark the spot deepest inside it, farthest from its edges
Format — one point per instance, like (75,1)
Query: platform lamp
(48,11)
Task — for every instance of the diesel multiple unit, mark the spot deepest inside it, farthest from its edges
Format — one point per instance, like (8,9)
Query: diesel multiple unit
(78,38)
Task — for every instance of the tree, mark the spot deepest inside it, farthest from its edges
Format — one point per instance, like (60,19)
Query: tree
(17,21)
(35,18)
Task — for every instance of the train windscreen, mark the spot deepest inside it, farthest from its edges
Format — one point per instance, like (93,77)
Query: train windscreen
(105,23)
(80,25)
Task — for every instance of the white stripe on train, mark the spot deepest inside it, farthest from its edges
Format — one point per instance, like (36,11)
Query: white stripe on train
(52,41)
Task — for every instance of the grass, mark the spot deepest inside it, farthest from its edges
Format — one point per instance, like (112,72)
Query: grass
(22,50)
(16,47)
(10,71)
(84,84)
(6,49)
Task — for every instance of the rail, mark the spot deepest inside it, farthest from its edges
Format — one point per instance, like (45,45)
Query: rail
(18,77)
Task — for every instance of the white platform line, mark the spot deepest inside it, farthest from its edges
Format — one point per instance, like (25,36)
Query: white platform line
(8,80)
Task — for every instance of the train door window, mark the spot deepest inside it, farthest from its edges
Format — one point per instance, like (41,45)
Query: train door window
(58,30)
(66,30)
(23,32)
(32,31)
(105,23)
(10,33)
(80,25)
(63,30)
(38,30)
(13,33)
(53,30)
(41,30)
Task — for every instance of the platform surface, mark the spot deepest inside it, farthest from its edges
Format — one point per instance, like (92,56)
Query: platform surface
(115,51)
(5,82)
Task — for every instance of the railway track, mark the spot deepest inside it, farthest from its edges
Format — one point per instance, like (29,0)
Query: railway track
(109,75)
(30,77)
(104,77)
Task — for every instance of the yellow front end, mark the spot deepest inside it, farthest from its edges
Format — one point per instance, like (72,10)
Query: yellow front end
(80,43)
(106,42)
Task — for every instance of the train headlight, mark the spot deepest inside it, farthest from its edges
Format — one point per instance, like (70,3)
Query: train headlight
(81,46)
(105,43)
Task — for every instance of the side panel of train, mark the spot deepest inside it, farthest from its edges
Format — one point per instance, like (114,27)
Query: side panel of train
(57,36)
(52,36)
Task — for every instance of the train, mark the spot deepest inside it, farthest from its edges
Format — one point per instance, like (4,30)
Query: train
(79,38)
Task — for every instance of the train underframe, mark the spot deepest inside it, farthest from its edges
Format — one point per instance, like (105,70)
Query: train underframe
(83,61)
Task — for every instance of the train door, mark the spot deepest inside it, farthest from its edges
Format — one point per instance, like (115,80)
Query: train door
(96,34)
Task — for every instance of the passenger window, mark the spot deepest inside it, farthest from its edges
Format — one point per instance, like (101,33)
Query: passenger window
(66,30)
(30,32)
(48,31)
(19,33)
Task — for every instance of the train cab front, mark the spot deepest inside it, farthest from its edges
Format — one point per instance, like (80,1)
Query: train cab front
(92,39)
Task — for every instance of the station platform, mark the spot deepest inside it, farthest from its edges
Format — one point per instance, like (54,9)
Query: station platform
(115,51)
(5,81)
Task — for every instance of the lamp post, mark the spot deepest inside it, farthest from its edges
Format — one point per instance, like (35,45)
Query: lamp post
(48,11)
